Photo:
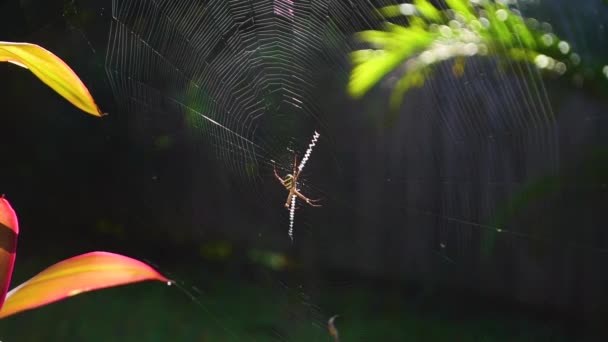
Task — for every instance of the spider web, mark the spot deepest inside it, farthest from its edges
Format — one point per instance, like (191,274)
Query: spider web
(241,78)
(438,191)
(240,75)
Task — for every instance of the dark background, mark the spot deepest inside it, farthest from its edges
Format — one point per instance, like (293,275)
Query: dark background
(407,234)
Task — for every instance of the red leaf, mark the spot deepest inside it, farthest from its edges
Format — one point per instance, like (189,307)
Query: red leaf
(86,272)
(9,230)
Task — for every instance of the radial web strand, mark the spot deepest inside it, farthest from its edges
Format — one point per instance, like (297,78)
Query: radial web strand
(240,74)
(465,180)
(244,77)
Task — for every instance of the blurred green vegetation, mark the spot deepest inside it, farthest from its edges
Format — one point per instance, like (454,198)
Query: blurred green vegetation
(247,310)
(423,36)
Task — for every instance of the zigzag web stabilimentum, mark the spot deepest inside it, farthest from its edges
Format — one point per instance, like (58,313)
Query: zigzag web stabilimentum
(247,78)
(238,73)
(242,76)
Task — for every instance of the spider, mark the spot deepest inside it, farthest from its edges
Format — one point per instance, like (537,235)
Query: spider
(290,182)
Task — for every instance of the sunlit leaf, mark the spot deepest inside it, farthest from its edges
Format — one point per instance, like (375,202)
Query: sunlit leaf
(428,10)
(522,32)
(464,29)
(391,11)
(51,70)
(497,17)
(462,7)
(9,230)
(82,273)
(397,44)
(417,22)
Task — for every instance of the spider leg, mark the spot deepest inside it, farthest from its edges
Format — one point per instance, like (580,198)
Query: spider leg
(288,202)
(307,200)
(277,175)
(295,167)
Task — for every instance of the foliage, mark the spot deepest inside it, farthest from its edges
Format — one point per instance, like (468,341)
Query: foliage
(9,230)
(86,272)
(464,29)
(81,273)
(51,70)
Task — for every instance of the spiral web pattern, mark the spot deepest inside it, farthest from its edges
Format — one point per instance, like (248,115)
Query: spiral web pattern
(242,74)
(237,72)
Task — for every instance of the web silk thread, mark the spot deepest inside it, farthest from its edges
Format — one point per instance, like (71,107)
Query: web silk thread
(312,144)
(292,212)
(292,209)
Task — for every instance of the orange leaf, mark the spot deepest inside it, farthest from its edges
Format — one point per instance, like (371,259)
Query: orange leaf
(86,272)
(9,230)
(51,70)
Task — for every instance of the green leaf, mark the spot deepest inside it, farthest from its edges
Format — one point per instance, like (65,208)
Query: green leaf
(487,28)
(428,10)
(519,29)
(462,7)
(498,28)
(391,11)
(396,45)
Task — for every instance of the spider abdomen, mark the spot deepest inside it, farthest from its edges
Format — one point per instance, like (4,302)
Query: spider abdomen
(288,182)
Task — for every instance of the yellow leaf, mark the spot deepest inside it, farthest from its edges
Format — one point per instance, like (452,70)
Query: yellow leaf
(51,70)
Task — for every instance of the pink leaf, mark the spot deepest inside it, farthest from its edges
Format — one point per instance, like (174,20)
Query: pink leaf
(86,272)
(9,230)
